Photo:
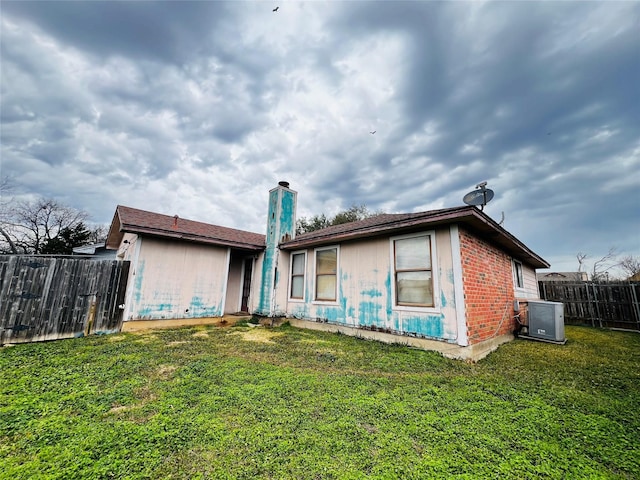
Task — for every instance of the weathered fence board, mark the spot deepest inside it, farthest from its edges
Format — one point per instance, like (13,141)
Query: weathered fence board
(50,297)
(612,305)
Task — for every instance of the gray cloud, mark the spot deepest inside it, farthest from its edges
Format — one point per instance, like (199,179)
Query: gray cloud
(198,108)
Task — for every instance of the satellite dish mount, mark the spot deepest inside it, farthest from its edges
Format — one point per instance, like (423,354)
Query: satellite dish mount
(479,197)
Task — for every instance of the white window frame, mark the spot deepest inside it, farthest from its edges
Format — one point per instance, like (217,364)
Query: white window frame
(514,265)
(434,274)
(315,278)
(304,276)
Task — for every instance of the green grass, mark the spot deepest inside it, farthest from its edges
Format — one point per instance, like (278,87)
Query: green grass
(251,402)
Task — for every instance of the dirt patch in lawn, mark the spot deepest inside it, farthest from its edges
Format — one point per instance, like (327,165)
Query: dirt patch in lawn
(260,335)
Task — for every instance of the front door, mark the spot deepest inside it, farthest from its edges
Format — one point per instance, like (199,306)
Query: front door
(246,284)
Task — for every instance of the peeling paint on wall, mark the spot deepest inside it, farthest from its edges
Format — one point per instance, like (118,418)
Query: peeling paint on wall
(365,294)
(429,326)
(369,314)
(178,280)
(139,274)
(287,214)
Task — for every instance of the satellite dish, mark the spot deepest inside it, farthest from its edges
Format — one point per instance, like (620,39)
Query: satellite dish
(479,197)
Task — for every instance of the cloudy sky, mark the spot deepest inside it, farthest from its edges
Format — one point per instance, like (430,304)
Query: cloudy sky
(199,108)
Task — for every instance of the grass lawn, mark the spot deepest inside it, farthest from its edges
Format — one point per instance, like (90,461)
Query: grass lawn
(243,402)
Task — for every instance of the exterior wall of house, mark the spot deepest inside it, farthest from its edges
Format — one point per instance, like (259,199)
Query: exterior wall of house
(172,279)
(365,296)
(488,288)
(530,284)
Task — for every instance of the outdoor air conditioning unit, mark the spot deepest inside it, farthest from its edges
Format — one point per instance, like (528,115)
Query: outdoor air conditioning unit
(546,320)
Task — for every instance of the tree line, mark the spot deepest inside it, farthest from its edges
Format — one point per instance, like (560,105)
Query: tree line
(320,221)
(43,226)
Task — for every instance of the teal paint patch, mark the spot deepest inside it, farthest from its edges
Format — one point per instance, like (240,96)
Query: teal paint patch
(299,311)
(332,314)
(369,314)
(371,293)
(443,300)
(287,214)
(395,323)
(342,299)
(266,286)
(197,308)
(387,285)
(157,310)
(428,326)
(137,284)
(272,221)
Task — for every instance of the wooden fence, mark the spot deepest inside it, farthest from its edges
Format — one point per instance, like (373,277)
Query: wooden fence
(612,305)
(51,297)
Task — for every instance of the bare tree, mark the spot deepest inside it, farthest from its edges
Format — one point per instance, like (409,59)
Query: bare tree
(601,267)
(36,224)
(98,233)
(630,265)
(5,207)
(581,258)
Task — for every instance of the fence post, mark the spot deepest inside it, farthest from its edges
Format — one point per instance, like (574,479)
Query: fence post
(595,298)
(636,307)
(591,307)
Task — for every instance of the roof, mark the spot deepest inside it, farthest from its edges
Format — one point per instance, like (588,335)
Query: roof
(89,249)
(132,220)
(477,221)
(562,276)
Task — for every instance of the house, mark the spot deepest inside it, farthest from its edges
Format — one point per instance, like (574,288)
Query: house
(95,251)
(562,276)
(181,269)
(451,280)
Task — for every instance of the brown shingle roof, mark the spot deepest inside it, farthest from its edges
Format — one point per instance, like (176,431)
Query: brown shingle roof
(394,223)
(132,220)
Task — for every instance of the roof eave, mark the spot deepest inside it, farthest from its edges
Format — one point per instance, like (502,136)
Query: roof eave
(470,216)
(115,235)
(176,235)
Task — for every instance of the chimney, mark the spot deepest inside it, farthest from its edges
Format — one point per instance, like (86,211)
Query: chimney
(281,227)
(175,222)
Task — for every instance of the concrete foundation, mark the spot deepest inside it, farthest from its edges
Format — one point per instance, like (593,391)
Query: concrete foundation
(472,353)
(138,325)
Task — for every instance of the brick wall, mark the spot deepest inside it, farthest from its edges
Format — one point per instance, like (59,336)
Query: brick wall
(488,288)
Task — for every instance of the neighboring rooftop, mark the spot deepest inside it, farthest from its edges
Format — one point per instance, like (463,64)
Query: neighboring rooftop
(133,220)
(561,276)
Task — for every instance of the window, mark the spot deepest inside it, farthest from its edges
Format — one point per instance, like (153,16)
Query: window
(298,262)
(326,274)
(518,279)
(413,271)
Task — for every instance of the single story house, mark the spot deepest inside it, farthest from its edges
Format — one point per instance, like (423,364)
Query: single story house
(451,280)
